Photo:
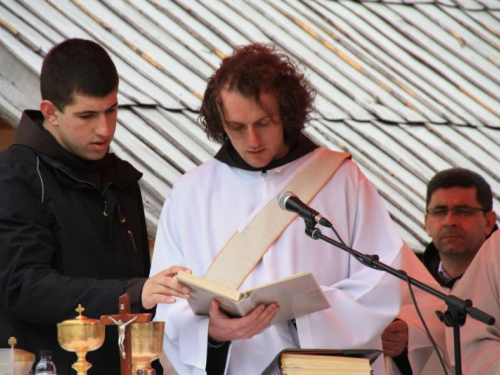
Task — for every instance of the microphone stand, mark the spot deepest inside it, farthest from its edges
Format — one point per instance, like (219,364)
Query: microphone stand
(454,316)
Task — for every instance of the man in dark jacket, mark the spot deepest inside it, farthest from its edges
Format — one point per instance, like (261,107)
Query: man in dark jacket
(72,226)
(459,219)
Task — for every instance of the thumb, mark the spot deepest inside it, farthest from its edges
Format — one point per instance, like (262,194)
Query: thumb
(214,308)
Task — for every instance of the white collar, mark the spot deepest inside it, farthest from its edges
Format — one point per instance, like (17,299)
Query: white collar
(442,273)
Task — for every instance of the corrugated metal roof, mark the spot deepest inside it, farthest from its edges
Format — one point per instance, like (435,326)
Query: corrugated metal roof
(409,87)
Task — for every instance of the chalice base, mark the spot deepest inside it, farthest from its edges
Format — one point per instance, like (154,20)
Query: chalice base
(143,368)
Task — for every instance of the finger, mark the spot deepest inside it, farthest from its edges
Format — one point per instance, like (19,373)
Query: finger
(395,348)
(160,298)
(394,353)
(390,345)
(152,300)
(215,311)
(263,320)
(389,337)
(269,313)
(244,327)
(166,291)
(170,283)
(174,270)
(394,338)
(394,329)
(399,326)
(152,288)
(388,333)
(391,351)
(254,314)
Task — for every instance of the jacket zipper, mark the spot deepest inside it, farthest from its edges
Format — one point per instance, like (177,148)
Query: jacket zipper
(105,213)
(78,180)
(132,240)
(120,216)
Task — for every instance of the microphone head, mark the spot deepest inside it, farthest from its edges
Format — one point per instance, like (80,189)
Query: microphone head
(283,197)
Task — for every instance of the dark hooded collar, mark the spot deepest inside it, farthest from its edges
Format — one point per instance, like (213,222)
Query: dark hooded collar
(228,155)
(32,134)
(431,260)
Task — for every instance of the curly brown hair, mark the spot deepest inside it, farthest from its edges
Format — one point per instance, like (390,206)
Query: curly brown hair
(249,70)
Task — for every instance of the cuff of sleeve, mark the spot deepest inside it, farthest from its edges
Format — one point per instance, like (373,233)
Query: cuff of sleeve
(215,344)
(134,287)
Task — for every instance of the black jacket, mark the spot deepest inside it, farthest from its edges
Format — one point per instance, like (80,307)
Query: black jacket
(71,231)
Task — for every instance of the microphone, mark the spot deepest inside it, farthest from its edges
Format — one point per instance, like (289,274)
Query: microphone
(290,202)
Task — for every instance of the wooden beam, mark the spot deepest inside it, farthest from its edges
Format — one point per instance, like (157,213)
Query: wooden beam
(6,135)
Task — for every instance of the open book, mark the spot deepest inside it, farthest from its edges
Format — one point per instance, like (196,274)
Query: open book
(322,361)
(296,295)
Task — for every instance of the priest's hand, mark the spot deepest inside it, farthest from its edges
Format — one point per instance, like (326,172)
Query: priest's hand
(223,328)
(162,287)
(395,338)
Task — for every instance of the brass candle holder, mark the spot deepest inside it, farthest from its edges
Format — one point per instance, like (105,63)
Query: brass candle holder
(147,343)
(80,335)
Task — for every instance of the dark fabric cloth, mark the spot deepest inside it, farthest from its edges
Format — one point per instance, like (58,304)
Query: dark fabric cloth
(431,260)
(403,363)
(71,231)
(217,357)
(228,155)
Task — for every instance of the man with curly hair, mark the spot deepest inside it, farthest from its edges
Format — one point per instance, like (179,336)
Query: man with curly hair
(257,104)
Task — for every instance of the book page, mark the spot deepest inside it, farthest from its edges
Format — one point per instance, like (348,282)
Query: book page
(296,295)
(204,291)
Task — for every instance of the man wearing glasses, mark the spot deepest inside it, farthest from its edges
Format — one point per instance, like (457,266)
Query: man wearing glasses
(459,219)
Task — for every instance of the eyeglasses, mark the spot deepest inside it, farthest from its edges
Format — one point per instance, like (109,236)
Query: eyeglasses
(458,211)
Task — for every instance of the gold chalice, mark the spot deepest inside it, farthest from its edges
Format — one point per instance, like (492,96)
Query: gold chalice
(80,335)
(15,361)
(147,343)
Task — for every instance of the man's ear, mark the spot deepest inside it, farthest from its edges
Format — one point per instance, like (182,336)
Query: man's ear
(426,218)
(491,218)
(49,110)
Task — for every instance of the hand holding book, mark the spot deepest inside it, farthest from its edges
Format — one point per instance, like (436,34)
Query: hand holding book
(223,328)
(296,296)
(163,288)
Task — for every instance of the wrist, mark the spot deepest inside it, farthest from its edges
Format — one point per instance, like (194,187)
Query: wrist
(215,344)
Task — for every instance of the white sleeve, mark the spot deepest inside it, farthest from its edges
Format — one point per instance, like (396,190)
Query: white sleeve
(185,339)
(367,300)
(421,354)
(480,342)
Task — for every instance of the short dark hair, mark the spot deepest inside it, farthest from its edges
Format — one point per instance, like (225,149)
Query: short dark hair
(464,178)
(77,66)
(249,70)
